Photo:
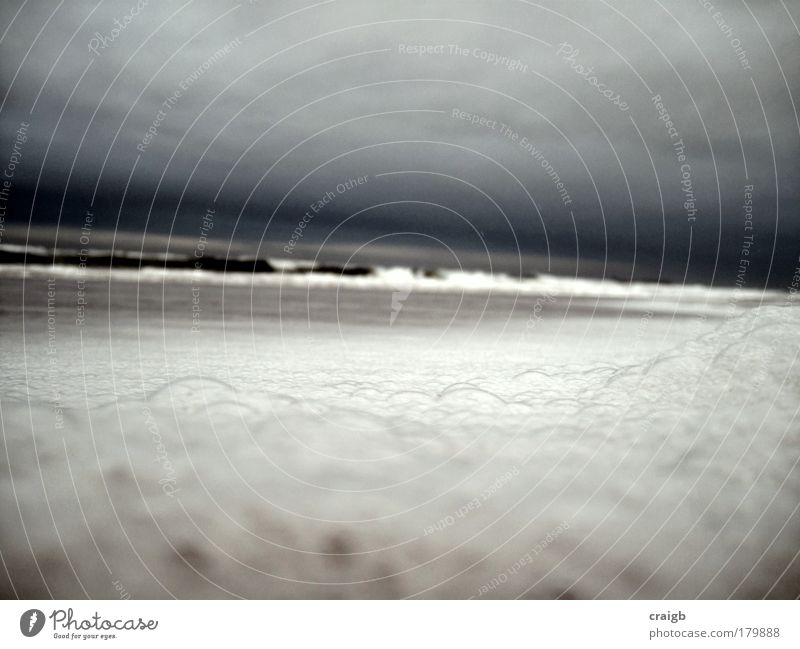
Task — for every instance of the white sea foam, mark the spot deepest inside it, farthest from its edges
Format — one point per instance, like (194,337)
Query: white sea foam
(227,465)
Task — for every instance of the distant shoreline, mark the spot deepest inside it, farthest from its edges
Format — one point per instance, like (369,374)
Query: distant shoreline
(18,262)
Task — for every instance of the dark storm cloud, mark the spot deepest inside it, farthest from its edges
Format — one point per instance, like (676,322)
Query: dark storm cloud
(525,135)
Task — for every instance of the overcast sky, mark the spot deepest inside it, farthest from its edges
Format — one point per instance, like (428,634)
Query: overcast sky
(511,134)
